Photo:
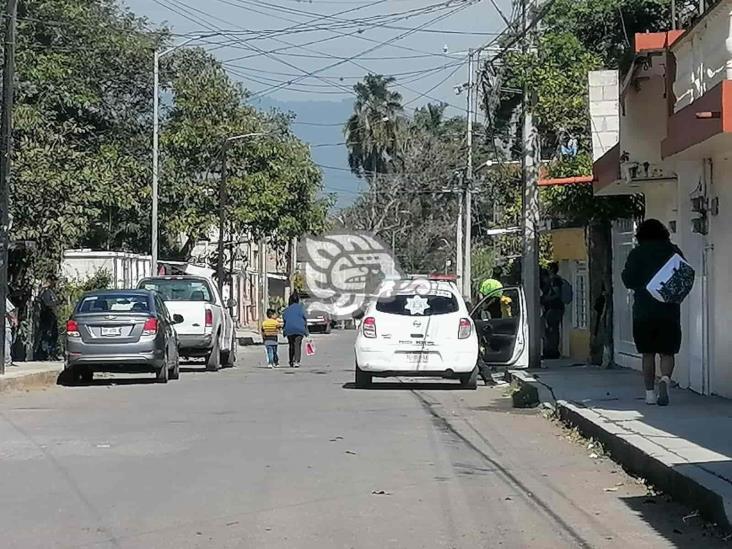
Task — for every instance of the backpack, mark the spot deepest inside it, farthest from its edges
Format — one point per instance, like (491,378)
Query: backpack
(566,293)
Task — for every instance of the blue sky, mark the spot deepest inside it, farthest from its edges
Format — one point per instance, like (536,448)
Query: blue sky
(311,69)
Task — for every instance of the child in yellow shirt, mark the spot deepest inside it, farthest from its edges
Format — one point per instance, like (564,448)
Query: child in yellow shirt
(270,333)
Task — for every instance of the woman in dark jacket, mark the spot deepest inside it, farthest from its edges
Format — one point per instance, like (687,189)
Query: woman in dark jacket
(295,328)
(656,325)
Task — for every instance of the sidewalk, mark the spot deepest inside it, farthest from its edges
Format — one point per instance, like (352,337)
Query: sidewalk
(248,335)
(30,375)
(684,449)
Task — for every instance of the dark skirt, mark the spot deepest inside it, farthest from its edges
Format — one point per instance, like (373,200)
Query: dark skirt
(657,336)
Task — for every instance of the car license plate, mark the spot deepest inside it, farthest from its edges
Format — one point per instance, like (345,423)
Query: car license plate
(111,332)
(414,358)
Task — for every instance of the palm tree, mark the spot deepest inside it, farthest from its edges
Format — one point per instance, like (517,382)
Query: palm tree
(430,118)
(373,131)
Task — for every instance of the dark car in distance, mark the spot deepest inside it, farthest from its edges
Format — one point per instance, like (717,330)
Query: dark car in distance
(122,331)
(317,318)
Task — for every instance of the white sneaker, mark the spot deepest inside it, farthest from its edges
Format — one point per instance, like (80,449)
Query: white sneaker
(663,385)
(651,397)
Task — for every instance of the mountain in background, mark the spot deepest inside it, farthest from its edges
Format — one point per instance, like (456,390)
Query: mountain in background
(321,123)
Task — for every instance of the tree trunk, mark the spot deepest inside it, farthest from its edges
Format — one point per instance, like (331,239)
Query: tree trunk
(599,246)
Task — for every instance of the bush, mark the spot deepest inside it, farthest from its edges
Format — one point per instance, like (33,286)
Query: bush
(69,292)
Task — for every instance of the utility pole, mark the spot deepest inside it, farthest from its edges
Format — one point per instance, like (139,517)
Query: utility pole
(6,132)
(222,220)
(530,263)
(155,161)
(467,266)
(156,147)
(459,243)
(222,205)
(264,294)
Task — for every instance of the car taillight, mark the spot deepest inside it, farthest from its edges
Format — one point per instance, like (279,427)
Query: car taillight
(465,328)
(369,326)
(72,328)
(150,327)
(209,318)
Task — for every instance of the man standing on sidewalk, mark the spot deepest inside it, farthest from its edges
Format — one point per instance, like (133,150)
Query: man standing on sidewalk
(11,320)
(48,321)
(556,295)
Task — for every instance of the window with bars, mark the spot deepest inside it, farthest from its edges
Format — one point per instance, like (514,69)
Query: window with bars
(581,314)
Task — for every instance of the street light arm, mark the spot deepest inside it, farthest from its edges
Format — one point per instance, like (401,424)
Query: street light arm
(246,135)
(185,42)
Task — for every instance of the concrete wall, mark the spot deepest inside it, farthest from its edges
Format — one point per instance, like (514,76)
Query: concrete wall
(125,269)
(643,124)
(703,56)
(720,279)
(569,248)
(604,111)
(569,244)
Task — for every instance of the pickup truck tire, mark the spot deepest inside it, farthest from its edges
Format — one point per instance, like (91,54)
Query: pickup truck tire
(228,358)
(213,359)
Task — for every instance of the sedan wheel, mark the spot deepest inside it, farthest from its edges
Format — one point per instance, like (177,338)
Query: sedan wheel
(162,374)
(470,380)
(363,379)
(175,370)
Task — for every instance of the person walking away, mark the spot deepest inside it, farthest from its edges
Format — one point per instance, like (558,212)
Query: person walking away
(553,303)
(48,321)
(11,321)
(295,328)
(656,325)
(270,334)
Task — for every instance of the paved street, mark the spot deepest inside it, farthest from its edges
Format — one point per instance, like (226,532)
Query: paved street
(250,457)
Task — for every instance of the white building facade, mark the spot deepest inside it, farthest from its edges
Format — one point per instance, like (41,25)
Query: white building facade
(674,146)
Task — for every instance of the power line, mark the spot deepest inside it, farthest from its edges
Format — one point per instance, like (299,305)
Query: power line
(373,48)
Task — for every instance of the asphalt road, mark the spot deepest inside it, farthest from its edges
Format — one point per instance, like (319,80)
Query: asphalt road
(258,458)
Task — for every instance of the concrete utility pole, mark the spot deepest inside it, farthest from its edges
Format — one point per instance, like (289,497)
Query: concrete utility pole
(467,266)
(222,206)
(156,147)
(530,263)
(222,220)
(459,244)
(264,290)
(6,150)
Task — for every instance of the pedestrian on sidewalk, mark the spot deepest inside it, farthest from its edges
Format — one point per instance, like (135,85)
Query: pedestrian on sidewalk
(270,336)
(295,328)
(656,325)
(48,321)
(555,296)
(11,321)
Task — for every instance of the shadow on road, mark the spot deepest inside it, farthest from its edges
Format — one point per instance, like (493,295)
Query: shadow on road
(108,381)
(408,386)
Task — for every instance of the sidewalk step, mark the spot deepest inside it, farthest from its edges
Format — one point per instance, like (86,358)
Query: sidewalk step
(686,479)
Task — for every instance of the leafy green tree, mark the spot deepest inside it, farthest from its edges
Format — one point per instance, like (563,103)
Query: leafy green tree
(272,185)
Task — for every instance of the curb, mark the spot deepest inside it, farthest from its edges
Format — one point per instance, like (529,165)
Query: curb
(247,340)
(34,380)
(686,482)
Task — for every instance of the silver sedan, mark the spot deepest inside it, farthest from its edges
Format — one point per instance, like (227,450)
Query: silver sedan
(124,331)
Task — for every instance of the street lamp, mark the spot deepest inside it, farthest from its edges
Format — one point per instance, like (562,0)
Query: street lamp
(156,129)
(222,204)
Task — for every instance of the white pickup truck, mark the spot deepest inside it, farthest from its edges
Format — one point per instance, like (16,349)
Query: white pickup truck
(207,329)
